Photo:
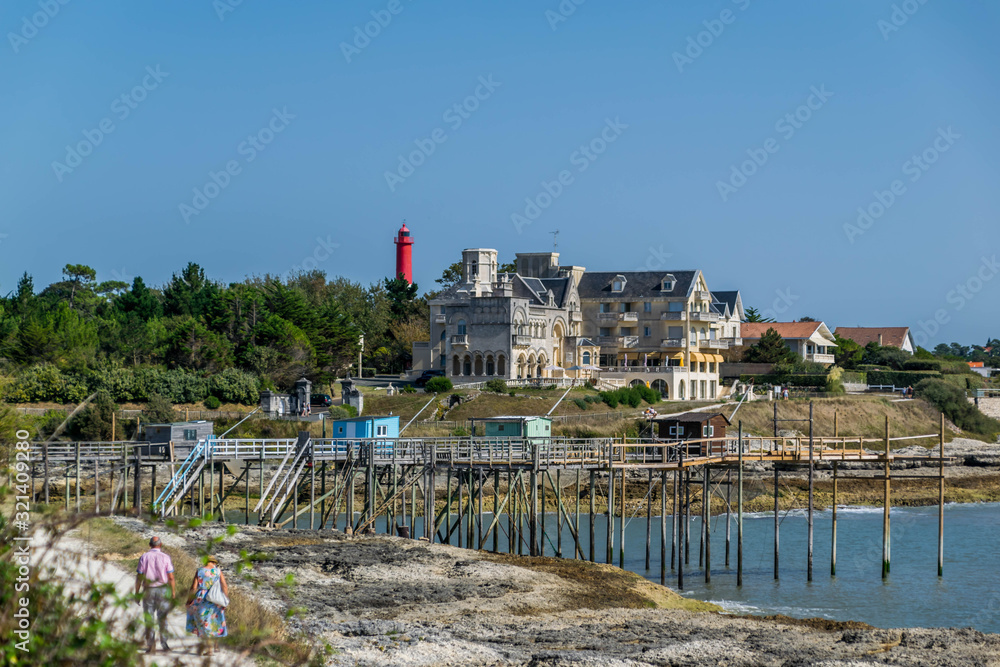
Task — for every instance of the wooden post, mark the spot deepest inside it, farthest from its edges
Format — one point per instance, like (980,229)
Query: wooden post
(611,516)
(687,518)
(447,505)
(45,455)
(533,512)
(78,478)
(649,515)
(137,503)
(833,536)
(97,483)
(542,495)
(479,523)
(621,524)
(579,552)
(673,524)
(663,528)
(211,484)
(809,565)
(113,424)
(885,507)
(312,488)
(729,488)
(496,511)
(679,520)
(941,500)
(706,501)
(777,518)
(559,526)
(260,480)
(593,540)
(66,486)
(739,511)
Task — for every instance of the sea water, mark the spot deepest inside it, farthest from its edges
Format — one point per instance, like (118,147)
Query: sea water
(968,595)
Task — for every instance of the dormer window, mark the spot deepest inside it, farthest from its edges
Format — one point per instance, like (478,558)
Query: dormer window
(668,282)
(618,284)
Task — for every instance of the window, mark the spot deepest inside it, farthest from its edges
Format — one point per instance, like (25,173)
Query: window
(586,358)
(711,367)
(340,429)
(675,307)
(704,389)
(381,429)
(604,331)
(617,285)
(647,307)
(461,327)
(707,431)
(604,307)
(190,434)
(668,282)
(701,366)
(676,430)
(645,331)
(500,428)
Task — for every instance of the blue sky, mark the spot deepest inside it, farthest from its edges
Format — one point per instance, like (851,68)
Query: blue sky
(658,189)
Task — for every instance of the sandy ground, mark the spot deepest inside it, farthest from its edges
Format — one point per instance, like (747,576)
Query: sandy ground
(382,600)
(71,559)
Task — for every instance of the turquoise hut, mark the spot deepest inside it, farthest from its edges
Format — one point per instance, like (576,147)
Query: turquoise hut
(532,429)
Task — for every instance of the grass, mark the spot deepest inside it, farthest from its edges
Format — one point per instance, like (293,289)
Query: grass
(250,623)
(598,586)
(856,416)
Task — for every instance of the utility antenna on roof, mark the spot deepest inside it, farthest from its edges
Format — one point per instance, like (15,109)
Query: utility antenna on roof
(555,240)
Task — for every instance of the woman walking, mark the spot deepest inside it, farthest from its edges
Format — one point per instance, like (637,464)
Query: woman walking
(205,618)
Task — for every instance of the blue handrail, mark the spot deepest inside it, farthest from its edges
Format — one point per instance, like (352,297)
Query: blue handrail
(201,449)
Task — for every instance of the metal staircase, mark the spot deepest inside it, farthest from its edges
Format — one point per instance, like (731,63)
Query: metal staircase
(184,477)
(281,487)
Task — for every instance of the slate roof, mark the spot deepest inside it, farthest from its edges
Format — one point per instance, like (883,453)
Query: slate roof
(891,336)
(638,284)
(728,299)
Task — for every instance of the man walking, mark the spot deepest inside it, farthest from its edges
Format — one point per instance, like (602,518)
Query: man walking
(155,573)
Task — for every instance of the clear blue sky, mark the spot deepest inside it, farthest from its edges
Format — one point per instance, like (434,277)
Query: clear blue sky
(778,237)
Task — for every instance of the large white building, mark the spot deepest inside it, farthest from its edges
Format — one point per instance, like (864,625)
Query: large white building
(662,328)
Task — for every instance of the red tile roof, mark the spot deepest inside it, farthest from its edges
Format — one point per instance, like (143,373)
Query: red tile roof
(891,336)
(785,329)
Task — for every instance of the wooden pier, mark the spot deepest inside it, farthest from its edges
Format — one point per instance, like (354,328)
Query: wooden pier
(314,483)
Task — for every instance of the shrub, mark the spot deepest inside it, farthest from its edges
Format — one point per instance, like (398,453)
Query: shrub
(234,386)
(460,432)
(592,398)
(953,402)
(408,389)
(212,403)
(438,384)
(342,411)
(496,386)
(835,382)
(368,372)
(901,378)
(45,382)
(159,410)
(512,393)
(580,403)
(923,365)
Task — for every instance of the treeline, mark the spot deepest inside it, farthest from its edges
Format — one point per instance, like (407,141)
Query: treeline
(195,338)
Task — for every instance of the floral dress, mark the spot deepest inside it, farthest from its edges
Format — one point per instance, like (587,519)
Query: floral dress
(204,618)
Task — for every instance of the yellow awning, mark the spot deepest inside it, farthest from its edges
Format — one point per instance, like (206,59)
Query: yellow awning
(678,356)
(717,358)
(698,356)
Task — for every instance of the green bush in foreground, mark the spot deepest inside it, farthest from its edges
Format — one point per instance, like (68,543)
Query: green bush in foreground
(213,403)
(496,386)
(954,403)
(438,384)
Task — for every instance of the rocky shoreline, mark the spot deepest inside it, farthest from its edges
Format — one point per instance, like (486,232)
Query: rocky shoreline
(380,600)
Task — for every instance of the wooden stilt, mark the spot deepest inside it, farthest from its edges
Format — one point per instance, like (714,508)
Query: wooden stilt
(739,510)
(78,478)
(777,516)
(559,526)
(729,488)
(663,528)
(621,524)
(611,516)
(577,517)
(687,518)
(885,507)
(593,540)
(833,534)
(496,511)
(649,515)
(809,564)
(533,513)
(673,523)
(706,501)
(940,563)
(679,521)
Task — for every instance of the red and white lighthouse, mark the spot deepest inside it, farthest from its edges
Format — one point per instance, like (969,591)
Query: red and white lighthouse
(404,262)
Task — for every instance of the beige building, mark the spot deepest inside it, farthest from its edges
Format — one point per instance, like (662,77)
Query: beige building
(663,329)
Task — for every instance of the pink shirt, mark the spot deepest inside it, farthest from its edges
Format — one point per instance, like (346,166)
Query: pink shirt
(155,566)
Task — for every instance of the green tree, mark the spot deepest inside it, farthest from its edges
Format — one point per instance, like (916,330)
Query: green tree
(847,354)
(401,297)
(80,277)
(770,349)
(754,315)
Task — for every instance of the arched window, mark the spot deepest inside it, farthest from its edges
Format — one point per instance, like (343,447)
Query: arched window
(461,327)
(680,390)
(456,368)
(586,358)
(468,366)
(501,362)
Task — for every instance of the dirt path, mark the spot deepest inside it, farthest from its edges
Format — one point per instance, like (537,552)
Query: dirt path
(72,560)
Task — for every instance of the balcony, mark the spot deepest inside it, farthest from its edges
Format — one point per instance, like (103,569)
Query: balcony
(820,358)
(674,315)
(460,340)
(734,342)
(701,296)
(576,316)
(520,340)
(618,341)
(631,316)
(672,342)
(440,318)
(716,344)
(703,317)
